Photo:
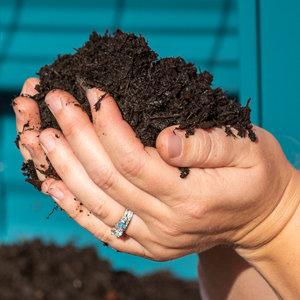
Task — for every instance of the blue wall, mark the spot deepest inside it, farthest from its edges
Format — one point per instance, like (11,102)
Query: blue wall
(34,32)
(245,44)
(269,68)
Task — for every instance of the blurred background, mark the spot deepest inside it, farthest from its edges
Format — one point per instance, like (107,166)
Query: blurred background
(251,47)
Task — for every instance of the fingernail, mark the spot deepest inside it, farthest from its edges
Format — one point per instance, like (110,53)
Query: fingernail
(47,143)
(92,97)
(28,89)
(56,194)
(175,144)
(54,103)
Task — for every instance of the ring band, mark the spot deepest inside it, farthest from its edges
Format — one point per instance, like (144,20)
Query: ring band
(122,225)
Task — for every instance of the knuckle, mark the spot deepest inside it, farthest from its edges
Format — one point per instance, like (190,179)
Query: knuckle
(196,149)
(71,129)
(167,230)
(100,232)
(202,149)
(158,255)
(74,213)
(162,253)
(192,210)
(130,165)
(99,209)
(65,168)
(104,178)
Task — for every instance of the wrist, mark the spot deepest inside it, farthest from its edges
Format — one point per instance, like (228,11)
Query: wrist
(277,257)
(223,274)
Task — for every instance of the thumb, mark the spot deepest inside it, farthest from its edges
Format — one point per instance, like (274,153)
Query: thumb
(211,148)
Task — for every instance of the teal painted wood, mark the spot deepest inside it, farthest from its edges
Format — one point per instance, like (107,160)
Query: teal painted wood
(204,32)
(249,84)
(280,65)
(270,63)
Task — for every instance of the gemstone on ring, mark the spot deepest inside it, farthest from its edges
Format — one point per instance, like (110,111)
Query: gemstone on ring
(122,225)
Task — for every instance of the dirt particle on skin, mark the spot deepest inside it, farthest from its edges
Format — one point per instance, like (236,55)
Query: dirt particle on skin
(184,172)
(26,125)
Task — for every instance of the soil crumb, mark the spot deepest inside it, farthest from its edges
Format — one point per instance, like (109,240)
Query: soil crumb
(152,93)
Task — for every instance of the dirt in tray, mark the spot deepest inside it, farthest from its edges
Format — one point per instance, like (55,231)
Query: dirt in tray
(33,270)
(151,93)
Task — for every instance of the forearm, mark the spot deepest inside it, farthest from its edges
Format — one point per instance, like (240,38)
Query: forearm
(279,260)
(224,275)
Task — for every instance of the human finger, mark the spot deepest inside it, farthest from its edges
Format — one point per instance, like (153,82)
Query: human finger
(140,165)
(139,239)
(87,147)
(78,181)
(26,109)
(27,112)
(28,88)
(80,214)
(211,148)
(29,139)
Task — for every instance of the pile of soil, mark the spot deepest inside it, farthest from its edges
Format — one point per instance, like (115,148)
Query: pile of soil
(35,271)
(151,93)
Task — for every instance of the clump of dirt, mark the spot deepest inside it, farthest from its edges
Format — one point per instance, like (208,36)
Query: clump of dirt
(36,271)
(151,93)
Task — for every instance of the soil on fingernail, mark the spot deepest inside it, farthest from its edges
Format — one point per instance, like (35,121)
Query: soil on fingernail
(152,93)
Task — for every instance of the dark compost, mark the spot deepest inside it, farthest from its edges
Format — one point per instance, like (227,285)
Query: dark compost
(34,271)
(151,93)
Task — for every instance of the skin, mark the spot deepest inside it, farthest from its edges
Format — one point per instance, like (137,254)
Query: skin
(224,275)
(239,193)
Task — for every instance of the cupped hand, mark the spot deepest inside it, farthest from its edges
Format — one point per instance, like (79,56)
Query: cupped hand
(232,193)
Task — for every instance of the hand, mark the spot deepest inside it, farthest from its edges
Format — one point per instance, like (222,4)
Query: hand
(232,189)
(238,192)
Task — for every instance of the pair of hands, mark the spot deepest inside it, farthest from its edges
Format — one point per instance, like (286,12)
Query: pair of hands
(233,193)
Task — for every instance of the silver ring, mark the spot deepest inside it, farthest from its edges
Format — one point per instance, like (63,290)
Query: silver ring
(122,225)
